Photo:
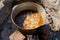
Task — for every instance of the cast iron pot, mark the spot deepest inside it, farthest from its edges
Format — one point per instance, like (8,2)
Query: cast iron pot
(24,6)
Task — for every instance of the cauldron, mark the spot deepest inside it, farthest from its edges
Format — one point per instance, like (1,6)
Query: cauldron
(25,6)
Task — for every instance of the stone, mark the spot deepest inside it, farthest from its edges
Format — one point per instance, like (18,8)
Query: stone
(17,36)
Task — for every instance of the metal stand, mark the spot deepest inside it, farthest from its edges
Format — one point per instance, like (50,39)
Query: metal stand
(32,37)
